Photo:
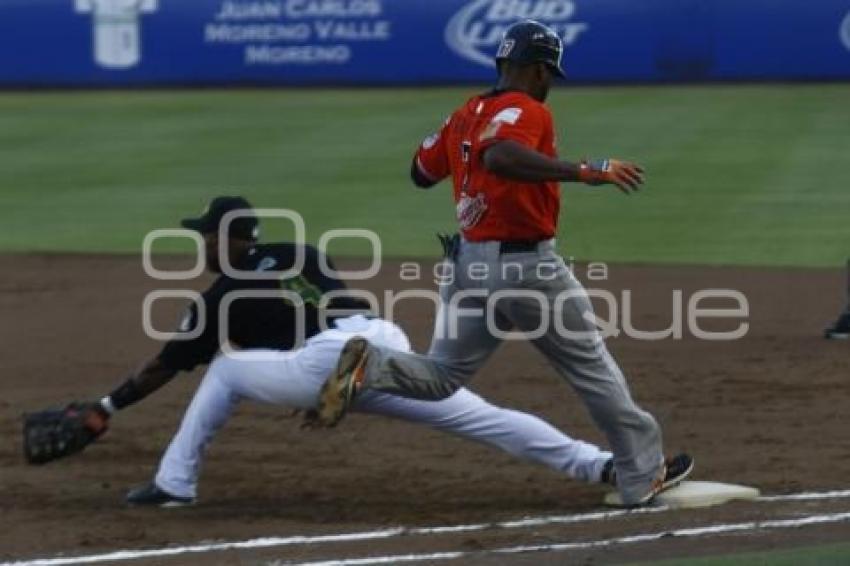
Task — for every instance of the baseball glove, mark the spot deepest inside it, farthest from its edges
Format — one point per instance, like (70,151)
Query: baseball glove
(55,433)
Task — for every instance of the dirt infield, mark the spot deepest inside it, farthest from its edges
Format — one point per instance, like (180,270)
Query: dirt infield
(769,410)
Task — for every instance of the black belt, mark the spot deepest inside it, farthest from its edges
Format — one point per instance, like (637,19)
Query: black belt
(518,246)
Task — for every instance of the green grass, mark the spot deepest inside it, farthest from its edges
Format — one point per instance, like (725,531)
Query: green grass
(736,174)
(806,556)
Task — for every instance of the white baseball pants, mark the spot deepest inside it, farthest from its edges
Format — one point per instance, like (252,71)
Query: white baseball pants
(294,378)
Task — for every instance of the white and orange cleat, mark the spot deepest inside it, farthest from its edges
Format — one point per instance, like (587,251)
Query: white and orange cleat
(342,386)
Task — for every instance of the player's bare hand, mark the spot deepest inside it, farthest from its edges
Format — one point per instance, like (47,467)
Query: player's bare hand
(627,176)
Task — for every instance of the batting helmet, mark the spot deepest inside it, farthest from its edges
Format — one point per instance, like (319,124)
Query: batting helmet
(529,41)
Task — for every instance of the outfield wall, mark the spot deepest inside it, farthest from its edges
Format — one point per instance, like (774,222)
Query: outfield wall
(293,42)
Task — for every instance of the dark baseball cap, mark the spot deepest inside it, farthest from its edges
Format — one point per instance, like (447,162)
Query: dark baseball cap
(242,227)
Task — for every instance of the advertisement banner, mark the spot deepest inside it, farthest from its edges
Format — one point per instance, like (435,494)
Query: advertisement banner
(380,42)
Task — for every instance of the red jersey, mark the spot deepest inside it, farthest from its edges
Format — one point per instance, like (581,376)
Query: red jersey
(490,207)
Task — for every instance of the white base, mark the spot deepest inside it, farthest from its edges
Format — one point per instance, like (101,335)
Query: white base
(690,494)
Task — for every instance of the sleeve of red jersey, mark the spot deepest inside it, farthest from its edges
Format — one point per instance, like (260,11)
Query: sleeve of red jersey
(522,123)
(432,158)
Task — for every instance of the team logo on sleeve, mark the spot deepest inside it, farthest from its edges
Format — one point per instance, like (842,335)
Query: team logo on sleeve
(506,116)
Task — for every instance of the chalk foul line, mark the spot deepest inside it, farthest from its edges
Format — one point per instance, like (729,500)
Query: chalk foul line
(585,545)
(271,542)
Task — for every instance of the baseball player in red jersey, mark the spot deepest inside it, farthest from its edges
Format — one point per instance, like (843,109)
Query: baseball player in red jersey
(499,150)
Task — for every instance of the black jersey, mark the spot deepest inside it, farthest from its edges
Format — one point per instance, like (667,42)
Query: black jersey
(271,322)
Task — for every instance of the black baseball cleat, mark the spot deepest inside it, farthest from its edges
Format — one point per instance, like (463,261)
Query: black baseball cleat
(674,471)
(840,330)
(342,386)
(151,495)
(608,475)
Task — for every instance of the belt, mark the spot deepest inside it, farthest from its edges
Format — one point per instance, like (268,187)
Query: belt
(518,246)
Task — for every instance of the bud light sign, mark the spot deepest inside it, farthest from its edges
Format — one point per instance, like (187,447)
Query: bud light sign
(475,31)
(403,42)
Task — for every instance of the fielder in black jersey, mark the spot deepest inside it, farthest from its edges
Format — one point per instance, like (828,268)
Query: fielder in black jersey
(262,322)
(252,322)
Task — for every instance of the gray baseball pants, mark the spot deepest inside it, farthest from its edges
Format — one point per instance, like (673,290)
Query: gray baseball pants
(536,294)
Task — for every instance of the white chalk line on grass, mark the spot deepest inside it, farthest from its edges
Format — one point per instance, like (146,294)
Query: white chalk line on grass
(270,542)
(559,547)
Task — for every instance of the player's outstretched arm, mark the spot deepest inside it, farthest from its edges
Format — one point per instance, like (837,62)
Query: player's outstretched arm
(178,354)
(513,160)
(149,377)
(52,434)
(55,433)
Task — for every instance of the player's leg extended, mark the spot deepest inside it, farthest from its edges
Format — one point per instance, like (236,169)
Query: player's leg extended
(461,344)
(268,376)
(577,351)
(467,415)
(389,363)
(284,378)
(459,347)
(209,409)
(470,417)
